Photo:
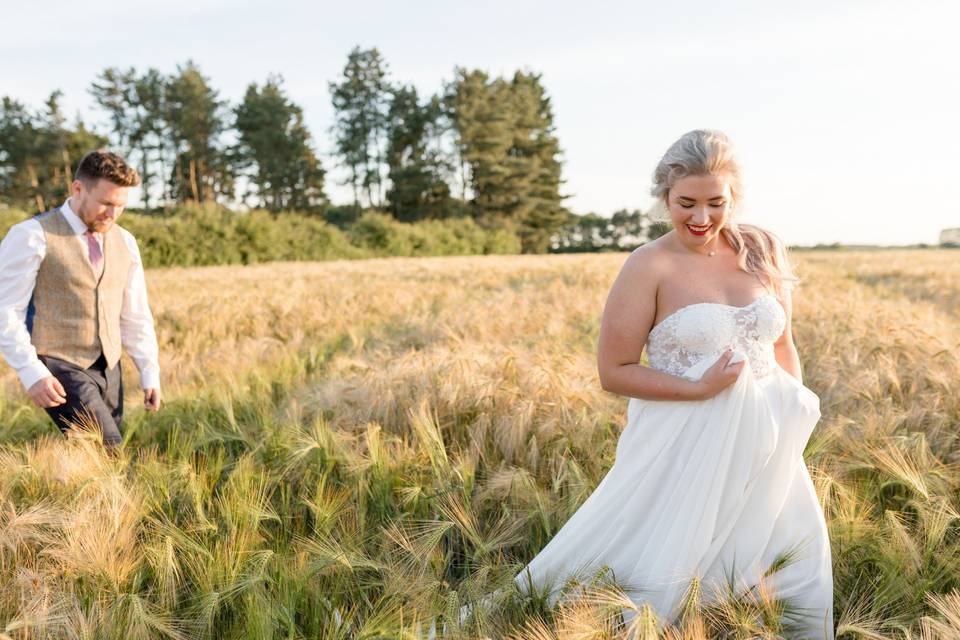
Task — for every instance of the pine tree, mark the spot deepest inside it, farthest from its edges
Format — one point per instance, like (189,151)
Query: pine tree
(151,136)
(136,109)
(56,148)
(194,114)
(508,145)
(416,169)
(483,128)
(274,145)
(22,158)
(39,152)
(534,155)
(360,101)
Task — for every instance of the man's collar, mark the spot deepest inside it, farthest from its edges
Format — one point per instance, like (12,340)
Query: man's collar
(76,223)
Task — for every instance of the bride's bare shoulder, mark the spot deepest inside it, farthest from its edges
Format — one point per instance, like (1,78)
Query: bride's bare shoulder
(632,301)
(650,259)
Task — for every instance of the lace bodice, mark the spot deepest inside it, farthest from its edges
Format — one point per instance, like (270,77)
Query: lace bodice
(698,330)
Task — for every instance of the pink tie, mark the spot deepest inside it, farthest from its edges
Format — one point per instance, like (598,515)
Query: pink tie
(96,255)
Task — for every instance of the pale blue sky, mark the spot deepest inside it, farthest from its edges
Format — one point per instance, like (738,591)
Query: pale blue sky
(844,112)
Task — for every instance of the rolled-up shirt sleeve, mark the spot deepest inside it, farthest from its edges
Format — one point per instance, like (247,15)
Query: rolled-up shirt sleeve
(137,334)
(21,252)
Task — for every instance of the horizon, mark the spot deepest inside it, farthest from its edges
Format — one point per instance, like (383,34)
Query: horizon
(867,75)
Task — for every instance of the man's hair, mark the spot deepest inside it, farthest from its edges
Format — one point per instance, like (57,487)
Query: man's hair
(109,166)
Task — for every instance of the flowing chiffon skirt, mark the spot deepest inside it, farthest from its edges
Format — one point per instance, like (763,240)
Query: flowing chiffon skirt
(715,488)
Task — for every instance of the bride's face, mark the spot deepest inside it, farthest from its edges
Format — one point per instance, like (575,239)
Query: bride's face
(699,207)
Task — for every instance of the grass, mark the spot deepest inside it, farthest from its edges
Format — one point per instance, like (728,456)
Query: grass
(352,449)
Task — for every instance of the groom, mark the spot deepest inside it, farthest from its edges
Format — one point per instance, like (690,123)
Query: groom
(72,291)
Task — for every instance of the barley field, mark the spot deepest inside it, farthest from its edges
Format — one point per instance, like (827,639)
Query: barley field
(353,449)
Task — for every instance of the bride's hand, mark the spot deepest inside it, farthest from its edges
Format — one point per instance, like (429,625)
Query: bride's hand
(720,375)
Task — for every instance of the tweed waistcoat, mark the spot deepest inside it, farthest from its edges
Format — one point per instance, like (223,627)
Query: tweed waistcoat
(75,316)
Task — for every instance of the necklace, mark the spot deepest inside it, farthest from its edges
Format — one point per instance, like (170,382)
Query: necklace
(712,253)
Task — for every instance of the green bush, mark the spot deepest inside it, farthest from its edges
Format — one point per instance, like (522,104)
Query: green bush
(207,235)
(194,236)
(385,236)
(342,215)
(382,235)
(10,217)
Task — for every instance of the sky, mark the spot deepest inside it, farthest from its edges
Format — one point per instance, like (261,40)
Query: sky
(843,112)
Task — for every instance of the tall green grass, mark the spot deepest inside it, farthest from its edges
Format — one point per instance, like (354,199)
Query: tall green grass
(356,449)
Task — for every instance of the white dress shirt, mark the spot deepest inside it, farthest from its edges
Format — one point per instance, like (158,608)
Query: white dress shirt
(21,252)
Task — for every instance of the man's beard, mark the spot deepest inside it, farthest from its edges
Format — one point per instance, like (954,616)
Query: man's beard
(92,226)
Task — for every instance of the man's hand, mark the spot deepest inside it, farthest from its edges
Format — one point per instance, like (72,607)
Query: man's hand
(151,399)
(47,392)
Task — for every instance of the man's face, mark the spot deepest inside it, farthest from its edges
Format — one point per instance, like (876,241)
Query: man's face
(98,203)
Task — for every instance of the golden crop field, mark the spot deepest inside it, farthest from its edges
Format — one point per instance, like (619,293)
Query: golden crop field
(350,449)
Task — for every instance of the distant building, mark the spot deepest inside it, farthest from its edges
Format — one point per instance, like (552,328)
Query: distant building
(950,237)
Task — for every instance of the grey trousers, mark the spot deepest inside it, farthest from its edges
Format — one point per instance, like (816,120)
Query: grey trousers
(95,392)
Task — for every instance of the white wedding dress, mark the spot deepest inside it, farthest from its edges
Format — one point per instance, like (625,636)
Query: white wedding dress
(715,488)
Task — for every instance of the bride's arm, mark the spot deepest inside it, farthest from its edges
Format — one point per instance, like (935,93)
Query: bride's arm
(627,319)
(784,350)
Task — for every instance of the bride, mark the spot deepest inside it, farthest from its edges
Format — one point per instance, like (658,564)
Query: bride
(709,478)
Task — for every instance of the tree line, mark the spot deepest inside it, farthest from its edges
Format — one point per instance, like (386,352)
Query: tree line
(189,144)
(483,147)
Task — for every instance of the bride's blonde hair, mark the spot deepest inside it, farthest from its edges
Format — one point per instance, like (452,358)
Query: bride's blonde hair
(710,152)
